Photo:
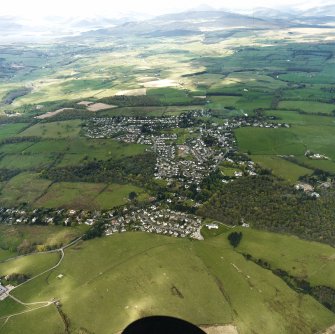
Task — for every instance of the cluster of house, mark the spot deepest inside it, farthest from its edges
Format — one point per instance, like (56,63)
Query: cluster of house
(128,129)
(189,162)
(315,156)
(206,146)
(307,188)
(13,216)
(151,219)
(157,220)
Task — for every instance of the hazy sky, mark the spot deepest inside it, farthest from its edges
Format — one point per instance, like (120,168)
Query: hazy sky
(40,8)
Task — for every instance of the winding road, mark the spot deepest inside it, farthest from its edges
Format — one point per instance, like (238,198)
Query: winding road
(41,303)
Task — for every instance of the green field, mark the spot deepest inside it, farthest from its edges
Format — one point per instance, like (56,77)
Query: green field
(312,261)
(26,161)
(31,265)
(88,195)
(77,150)
(71,195)
(14,148)
(327,165)
(222,102)
(281,167)
(10,130)
(170,96)
(44,320)
(229,171)
(260,141)
(308,106)
(297,140)
(62,129)
(13,236)
(204,282)
(295,118)
(117,194)
(23,188)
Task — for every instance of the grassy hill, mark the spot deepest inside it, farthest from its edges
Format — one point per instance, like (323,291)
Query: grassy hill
(132,275)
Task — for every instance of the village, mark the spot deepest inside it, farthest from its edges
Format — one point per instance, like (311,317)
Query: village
(153,219)
(157,220)
(205,145)
(187,147)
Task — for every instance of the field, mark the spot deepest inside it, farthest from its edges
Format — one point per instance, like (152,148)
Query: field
(32,157)
(23,188)
(308,132)
(31,265)
(12,236)
(14,148)
(229,68)
(260,141)
(83,149)
(87,195)
(117,194)
(63,129)
(26,162)
(10,130)
(308,106)
(314,263)
(159,270)
(281,167)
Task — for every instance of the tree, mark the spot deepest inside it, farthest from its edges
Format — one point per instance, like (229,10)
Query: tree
(235,238)
(132,195)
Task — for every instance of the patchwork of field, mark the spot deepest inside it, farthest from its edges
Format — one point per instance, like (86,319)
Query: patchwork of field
(59,144)
(307,132)
(286,76)
(164,274)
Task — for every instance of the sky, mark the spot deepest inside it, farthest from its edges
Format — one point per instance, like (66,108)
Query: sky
(110,8)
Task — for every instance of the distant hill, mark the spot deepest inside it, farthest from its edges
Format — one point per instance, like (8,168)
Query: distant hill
(187,22)
(201,19)
(327,10)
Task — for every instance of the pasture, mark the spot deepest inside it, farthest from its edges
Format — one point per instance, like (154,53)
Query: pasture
(164,274)
(71,195)
(296,140)
(308,106)
(312,261)
(281,167)
(23,188)
(12,236)
(79,150)
(26,161)
(14,148)
(61,129)
(82,195)
(262,141)
(30,265)
(118,194)
(11,130)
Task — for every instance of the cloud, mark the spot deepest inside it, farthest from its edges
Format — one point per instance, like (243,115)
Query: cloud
(68,8)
